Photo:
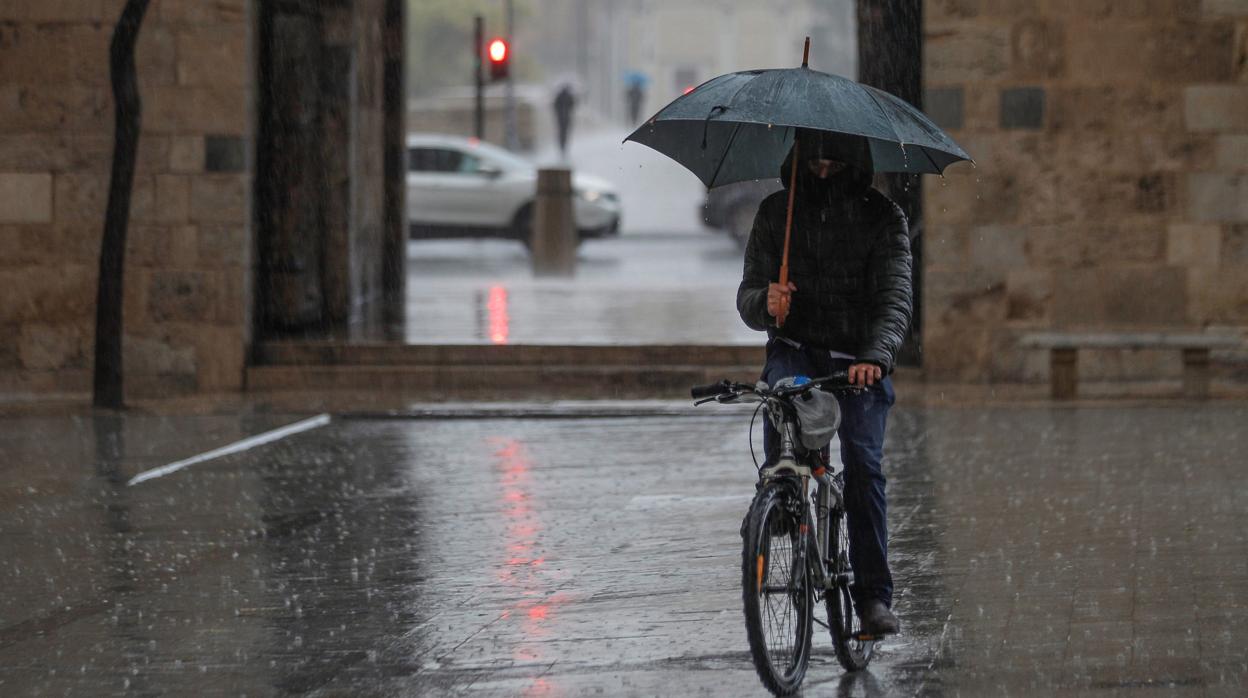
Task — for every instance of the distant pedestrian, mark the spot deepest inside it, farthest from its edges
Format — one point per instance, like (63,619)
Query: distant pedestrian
(635,95)
(565,103)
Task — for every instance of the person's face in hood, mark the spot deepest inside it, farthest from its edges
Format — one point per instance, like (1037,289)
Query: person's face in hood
(823,168)
(825,174)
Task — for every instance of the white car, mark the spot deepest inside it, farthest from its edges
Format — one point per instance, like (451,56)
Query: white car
(462,187)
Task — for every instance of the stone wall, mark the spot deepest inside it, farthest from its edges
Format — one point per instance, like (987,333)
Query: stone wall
(188,258)
(1111,187)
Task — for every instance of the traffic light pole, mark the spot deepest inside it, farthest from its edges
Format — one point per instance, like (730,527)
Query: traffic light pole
(478,47)
(511,137)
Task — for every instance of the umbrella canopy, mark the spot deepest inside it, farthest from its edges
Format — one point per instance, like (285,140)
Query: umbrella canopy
(740,126)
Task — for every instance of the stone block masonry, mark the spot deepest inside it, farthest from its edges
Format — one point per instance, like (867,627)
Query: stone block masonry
(1111,187)
(190,269)
(25,197)
(188,247)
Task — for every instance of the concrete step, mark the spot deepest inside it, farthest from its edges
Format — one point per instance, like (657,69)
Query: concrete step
(476,381)
(498,371)
(304,353)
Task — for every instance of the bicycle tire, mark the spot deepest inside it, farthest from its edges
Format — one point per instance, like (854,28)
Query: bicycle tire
(852,652)
(771,546)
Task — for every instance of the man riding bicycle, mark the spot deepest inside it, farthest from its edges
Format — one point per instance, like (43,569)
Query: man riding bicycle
(848,304)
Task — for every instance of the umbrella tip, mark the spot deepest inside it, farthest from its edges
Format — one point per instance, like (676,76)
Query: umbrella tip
(806,54)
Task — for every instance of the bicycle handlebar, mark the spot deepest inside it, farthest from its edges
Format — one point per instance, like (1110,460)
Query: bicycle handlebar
(713,390)
(833,381)
(837,380)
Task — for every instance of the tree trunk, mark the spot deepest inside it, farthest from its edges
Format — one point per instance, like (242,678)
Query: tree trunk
(108,383)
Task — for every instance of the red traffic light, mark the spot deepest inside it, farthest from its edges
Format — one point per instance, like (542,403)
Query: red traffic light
(499,54)
(498,51)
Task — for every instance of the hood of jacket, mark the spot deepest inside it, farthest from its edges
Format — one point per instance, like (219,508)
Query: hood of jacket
(853,180)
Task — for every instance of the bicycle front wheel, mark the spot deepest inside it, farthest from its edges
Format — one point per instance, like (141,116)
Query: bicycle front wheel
(776,590)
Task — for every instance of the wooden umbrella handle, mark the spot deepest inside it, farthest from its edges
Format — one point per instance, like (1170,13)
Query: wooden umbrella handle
(788,231)
(788,218)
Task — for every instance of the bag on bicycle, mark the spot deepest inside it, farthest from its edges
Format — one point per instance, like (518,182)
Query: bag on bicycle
(818,415)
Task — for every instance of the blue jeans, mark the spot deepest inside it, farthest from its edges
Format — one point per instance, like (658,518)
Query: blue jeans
(863,418)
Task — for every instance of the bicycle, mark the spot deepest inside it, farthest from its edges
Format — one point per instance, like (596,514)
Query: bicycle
(781,580)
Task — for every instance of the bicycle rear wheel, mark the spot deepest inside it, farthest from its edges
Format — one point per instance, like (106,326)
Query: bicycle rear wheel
(853,650)
(776,590)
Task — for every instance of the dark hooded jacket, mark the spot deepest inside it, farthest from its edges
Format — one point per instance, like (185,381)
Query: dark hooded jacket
(849,258)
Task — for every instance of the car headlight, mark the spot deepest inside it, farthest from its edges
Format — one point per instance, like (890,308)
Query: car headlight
(589,195)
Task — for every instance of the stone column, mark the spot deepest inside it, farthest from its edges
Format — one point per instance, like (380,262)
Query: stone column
(323,167)
(890,57)
(290,172)
(394,246)
(338,120)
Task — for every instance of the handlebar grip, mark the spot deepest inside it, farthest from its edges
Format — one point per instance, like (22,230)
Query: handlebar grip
(833,381)
(700,391)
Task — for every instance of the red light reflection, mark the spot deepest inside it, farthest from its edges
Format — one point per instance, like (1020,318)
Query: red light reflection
(521,567)
(499,321)
(541,686)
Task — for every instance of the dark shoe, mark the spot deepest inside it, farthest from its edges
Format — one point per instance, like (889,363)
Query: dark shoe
(877,619)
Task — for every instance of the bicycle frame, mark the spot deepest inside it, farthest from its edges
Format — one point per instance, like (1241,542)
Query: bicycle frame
(828,495)
(795,462)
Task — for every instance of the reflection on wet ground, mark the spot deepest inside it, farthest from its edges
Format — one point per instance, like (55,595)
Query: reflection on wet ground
(657,289)
(1037,551)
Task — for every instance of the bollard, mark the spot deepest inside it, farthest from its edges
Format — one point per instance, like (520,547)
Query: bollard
(553,245)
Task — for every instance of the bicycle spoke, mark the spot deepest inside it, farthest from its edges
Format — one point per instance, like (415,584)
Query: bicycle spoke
(782,626)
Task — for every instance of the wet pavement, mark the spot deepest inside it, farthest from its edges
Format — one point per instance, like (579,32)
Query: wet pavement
(655,289)
(1037,551)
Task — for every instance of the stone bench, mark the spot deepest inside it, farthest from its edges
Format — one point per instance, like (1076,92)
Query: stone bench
(1064,354)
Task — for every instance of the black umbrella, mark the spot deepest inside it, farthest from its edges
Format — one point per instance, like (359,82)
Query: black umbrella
(740,126)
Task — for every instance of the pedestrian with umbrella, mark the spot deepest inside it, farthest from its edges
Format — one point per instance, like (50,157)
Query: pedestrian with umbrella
(827,270)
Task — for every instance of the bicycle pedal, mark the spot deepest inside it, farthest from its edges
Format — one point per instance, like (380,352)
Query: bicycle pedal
(864,637)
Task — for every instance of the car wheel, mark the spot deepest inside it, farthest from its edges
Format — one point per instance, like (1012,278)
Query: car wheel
(522,226)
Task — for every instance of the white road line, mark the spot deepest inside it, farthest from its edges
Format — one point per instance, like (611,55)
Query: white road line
(259,439)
